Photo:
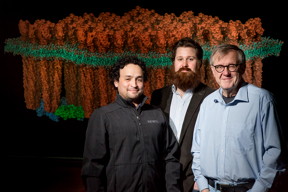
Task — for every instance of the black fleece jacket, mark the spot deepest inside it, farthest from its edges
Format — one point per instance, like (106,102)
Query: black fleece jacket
(130,150)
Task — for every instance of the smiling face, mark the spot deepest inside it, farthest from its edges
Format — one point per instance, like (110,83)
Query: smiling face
(227,80)
(131,83)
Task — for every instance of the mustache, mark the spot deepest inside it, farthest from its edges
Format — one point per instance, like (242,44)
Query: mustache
(184,69)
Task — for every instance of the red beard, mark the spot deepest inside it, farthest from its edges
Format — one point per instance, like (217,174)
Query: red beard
(185,80)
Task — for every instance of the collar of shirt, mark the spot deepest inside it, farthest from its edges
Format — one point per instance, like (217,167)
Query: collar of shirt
(126,103)
(242,95)
(174,90)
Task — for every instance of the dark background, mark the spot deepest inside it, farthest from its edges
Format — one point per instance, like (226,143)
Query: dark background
(26,135)
(29,135)
(43,155)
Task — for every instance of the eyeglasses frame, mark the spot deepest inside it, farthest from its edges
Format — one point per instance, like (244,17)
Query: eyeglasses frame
(226,66)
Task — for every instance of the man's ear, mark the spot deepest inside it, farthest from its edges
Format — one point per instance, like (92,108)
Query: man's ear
(116,83)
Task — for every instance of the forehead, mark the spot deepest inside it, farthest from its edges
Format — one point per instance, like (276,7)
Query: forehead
(131,70)
(185,51)
(229,57)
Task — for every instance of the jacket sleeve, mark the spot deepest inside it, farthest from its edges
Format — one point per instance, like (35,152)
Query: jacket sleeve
(95,153)
(173,166)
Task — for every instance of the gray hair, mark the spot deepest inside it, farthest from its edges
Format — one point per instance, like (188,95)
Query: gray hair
(224,49)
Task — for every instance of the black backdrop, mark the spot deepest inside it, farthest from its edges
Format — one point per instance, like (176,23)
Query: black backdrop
(25,134)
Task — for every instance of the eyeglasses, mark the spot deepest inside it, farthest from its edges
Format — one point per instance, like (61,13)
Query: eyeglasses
(230,67)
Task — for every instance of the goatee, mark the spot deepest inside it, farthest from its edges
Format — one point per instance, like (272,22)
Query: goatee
(185,80)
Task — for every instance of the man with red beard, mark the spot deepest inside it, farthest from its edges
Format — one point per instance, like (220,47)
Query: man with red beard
(181,100)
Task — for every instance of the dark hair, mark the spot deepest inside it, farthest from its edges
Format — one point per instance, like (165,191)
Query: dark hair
(187,42)
(122,62)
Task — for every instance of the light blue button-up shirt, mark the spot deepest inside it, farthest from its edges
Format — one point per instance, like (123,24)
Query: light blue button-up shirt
(238,140)
(178,108)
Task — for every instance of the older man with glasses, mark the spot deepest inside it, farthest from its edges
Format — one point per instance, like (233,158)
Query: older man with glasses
(236,143)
